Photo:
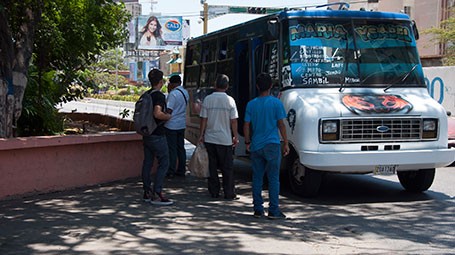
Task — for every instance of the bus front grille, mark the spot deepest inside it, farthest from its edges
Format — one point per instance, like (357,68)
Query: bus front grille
(381,129)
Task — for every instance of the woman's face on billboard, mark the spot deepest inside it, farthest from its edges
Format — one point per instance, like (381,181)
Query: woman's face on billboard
(152,26)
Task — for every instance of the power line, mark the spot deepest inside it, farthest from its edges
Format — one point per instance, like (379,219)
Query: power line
(275,7)
(197,14)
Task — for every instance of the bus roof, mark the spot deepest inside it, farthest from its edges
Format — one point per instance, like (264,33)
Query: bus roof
(316,13)
(342,14)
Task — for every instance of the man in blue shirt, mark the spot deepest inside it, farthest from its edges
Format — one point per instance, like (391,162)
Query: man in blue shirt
(175,127)
(264,118)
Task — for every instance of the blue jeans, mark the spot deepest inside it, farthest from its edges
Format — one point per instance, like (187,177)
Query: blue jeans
(266,160)
(176,144)
(154,146)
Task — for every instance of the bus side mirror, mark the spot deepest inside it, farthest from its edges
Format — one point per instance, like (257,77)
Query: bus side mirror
(415,30)
(273,28)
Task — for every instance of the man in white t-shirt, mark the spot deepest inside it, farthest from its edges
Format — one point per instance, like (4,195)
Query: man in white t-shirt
(177,101)
(219,133)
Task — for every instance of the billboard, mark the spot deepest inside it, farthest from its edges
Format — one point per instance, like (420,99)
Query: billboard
(159,33)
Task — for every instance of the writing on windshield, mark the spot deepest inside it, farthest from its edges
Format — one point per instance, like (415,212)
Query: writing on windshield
(351,53)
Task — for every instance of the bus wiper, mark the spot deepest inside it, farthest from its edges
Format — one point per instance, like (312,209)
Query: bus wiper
(357,53)
(356,56)
(402,78)
(346,62)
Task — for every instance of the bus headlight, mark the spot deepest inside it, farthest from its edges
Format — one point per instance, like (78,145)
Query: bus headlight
(430,128)
(330,130)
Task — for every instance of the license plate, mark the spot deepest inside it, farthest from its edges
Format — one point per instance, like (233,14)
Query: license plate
(385,169)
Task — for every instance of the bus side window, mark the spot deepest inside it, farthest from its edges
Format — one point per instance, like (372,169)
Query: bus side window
(209,51)
(222,51)
(193,55)
(205,54)
(189,56)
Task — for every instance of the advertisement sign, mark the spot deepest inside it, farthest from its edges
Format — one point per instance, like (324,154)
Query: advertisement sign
(159,33)
(440,85)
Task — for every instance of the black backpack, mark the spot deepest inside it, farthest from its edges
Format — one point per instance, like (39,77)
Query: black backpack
(144,121)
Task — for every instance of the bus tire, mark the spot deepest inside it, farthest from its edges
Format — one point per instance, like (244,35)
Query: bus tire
(416,181)
(303,180)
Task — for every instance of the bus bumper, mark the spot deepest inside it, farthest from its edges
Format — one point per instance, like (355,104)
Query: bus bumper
(365,162)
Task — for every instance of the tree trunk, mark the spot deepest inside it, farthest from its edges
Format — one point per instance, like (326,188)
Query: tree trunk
(15,54)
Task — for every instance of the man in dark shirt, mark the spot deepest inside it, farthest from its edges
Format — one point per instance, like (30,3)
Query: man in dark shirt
(154,145)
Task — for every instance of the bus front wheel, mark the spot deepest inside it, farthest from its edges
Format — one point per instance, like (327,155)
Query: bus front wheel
(304,181)
(416,181)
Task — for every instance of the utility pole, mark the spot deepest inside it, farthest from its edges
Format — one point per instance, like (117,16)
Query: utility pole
(206,16)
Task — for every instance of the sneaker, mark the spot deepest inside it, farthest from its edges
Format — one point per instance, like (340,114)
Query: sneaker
(160,199)
(147,196)
(258,214)
(279,215)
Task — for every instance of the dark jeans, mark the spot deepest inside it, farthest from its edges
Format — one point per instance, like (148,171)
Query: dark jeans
(220,157)
(176,145)
(153,147)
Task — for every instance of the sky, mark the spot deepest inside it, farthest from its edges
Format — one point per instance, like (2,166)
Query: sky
(190,9)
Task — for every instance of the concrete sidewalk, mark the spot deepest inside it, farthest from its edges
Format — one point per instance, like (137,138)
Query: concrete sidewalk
(112,219)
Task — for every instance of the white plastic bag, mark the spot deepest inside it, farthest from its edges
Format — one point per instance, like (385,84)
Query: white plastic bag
(199,162)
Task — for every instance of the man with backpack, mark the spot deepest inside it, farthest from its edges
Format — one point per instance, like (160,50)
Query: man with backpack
(154,144)
(177,101)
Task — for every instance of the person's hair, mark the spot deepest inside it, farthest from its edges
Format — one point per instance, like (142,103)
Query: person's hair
(157,32)
(263,82)
(222,81)
(155,76)
(175,79)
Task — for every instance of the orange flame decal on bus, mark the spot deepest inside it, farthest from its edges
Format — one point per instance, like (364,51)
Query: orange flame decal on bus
(376,103)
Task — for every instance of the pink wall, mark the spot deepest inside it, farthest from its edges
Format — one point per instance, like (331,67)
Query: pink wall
(43,164)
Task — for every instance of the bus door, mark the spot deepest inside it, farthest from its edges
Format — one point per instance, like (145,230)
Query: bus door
(244,87)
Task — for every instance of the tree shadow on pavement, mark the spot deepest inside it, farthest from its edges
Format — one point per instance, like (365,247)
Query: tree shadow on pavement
(112,219)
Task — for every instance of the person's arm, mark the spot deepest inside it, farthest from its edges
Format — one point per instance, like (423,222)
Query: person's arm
(170,101)
(282,129)
(159,114)
(235,138)
(202,127)
(246,132)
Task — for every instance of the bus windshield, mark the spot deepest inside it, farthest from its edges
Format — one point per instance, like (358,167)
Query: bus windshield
(351,53)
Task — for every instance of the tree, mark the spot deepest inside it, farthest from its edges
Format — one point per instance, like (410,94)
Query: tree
(445,34)
(58,38)
(111,59)
(102,73)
